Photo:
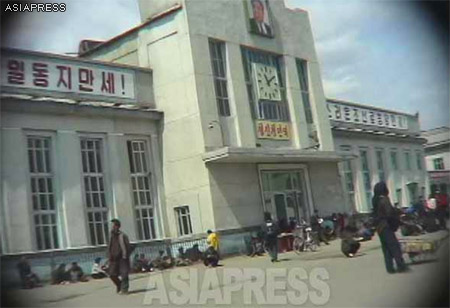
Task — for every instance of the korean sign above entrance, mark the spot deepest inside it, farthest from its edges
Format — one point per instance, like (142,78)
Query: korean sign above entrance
(66,75)
(366,116)
(273,130)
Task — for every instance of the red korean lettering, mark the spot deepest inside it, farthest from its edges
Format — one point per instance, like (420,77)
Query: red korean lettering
(16,72)
(267,129)
(108,82)
(65,76)
(260,129)
(285,131)
(40,74)
(273,130)
(85,80)
(280,130)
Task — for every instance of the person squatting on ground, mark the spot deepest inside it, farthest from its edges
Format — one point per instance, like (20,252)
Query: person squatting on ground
(98,270)
(316,226)
(387,222)
(28,278)
(213,241)
(60,275)
(119,251)
(349,246)
(271,231)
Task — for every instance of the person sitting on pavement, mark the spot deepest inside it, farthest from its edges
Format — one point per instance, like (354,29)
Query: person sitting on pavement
(211,257)
(163,262)
(141,264)
(182,259)
(28,278)
(98,270)
(194,254)
(76,273)
(60,275)
(349,246)
(257,245)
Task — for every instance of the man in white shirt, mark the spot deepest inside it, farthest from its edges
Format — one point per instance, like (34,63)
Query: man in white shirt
(257,23)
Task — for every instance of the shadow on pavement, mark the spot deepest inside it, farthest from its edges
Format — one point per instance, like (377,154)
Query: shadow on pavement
(140,291)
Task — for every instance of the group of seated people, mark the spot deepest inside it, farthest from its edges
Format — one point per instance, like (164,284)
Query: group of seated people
(164,261)
(72,275)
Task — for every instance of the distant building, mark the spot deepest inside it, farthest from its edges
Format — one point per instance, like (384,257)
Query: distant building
(388,147)
(437,152)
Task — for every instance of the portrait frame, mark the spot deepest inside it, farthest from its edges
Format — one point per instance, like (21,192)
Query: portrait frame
(259,17)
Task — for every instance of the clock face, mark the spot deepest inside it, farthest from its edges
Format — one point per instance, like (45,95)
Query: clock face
(268,87)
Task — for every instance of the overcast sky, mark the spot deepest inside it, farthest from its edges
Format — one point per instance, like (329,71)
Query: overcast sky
(383,53)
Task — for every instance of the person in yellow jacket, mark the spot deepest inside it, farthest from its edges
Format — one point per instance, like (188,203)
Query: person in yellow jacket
(213,240)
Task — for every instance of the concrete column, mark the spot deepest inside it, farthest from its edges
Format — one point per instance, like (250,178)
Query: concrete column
(318,107)
(71,188)
(296,106)
(16,201)
(120,183)
(245,124)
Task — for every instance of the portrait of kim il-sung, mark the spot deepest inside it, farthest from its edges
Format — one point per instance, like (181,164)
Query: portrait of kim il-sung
(259,17)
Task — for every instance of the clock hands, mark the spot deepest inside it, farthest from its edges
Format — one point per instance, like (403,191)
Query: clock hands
(268,81)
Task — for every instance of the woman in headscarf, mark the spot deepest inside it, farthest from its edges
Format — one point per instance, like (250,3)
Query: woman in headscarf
(387,222)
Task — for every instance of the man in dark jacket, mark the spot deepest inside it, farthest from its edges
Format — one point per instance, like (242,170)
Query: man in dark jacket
(119,251)
(316,226)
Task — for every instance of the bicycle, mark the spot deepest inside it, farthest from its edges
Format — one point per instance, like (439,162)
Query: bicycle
(304,239)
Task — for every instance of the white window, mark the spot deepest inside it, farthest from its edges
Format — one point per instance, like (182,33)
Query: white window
(42,192)
(348,175)
(302,71)
(419,161)
(142,192)
(94,189)
(380,165)
(394,161)
(366,175)
(219,68)
(184,220)
(407,160)
(438,163)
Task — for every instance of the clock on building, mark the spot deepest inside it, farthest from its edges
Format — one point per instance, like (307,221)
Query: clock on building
(267,84)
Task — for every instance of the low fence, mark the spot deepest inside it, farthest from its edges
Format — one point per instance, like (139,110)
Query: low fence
(232,242)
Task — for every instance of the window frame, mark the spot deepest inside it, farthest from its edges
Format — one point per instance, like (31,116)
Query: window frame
(347,170)
(220,82)
(407,155)
(302,69)
(56,240)
(379,153)
(438,163)
(106,211)
(153,206)
(394,159)
(179,219)
(366,175)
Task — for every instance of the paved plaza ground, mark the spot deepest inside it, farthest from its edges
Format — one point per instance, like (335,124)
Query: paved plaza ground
(358,282)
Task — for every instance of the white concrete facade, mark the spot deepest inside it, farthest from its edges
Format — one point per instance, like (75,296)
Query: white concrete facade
(174,42)
(406,180)
(62,121)
(437,151)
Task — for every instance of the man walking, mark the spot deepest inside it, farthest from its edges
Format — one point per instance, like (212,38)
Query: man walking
(119,251)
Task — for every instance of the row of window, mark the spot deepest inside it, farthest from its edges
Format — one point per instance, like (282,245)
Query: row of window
(366,171)
(45,211)
(262,109)
(43,195)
